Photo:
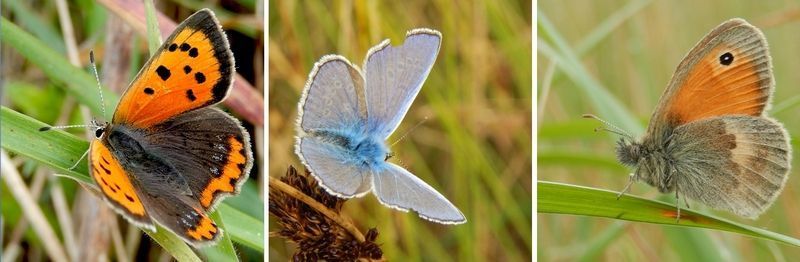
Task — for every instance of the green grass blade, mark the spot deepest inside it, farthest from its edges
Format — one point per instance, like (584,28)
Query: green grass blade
(153,34)
(243,229)
(224,250)
(172,244)
(55,148)
(34,23)
(609,108)
(559,198)
(55,66)
(609,24)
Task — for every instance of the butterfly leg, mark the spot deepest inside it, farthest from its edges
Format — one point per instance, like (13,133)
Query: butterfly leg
(677,197)
(678,204)
(79,160)
(627,186)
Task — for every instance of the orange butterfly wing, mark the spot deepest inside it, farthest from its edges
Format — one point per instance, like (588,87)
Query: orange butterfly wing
(203,230)
(729,72)
(193,68)
(116,186)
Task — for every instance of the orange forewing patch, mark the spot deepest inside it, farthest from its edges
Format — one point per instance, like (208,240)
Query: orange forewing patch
(231,174)
(712,89)
(179,78)
(204,230)
(114,182)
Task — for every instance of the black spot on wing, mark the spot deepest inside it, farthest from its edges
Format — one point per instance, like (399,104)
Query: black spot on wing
(200,77)
(149,91)
(163,72)
(187,69)
(185,47)
(190,95)
(108,172)
(193,52)
(173,47)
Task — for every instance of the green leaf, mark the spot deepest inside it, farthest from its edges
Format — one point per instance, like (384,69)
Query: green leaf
(172,244)
(153,34)
(244,229)
(79,83)
(557,198)
(55,148)
(608,106)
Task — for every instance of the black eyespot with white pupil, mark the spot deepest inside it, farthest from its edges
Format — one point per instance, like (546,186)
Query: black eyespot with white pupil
(726,58)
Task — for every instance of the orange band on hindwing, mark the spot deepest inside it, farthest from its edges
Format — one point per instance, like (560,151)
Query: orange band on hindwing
(205,229)
(114,183)
(232,172)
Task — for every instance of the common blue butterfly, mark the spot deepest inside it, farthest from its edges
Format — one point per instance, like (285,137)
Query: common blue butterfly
(345,116)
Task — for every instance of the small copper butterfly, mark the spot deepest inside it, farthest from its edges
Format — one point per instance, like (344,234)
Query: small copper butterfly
(168,156)
(709,137)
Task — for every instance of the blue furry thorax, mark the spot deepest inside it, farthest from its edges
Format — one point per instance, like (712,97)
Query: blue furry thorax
(368,150)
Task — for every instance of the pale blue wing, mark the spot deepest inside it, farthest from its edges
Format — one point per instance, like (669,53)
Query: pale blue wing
(395,75)
(335,168)
(333,98)
(399,189)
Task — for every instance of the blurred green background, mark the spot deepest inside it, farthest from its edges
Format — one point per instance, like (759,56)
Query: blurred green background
(631,48)
(85,229)
(474,148)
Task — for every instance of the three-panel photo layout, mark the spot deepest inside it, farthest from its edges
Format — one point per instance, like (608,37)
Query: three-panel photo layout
(446,130)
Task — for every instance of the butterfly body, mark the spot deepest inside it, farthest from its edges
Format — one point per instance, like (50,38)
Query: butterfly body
(361,148)
(709,137)
(167,156)
(345,117)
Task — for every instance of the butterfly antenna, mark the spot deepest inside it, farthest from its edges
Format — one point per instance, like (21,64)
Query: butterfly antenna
(608,126)
(97,78)
(47,128)
(409,131)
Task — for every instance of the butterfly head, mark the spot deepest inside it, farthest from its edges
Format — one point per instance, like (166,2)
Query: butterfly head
(629,151)
(98,128)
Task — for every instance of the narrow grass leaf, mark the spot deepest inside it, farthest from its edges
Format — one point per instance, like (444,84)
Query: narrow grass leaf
(557,198)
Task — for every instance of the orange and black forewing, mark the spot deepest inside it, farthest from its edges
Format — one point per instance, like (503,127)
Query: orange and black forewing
(192,69)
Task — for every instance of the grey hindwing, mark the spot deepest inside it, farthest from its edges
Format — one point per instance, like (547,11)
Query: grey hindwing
(737,163)
(196,144)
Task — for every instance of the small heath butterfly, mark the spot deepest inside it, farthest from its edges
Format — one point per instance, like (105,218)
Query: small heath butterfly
(709,138)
